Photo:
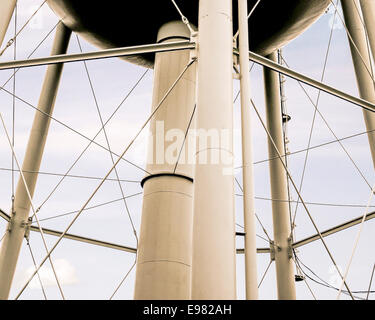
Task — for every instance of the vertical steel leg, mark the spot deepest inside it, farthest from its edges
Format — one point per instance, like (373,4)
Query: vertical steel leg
(214,256)
(280,210)
(6,12)
(362,65)
(12,242)
(247,157)
(368,12)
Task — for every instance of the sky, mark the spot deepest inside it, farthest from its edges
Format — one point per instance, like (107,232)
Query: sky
(92,272)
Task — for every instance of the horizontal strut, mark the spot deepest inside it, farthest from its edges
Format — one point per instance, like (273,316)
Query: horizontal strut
(120,247)
(182,45)
(333,230)
(102,54)
(311,82)
(4,216)
(86,240)
(75,237)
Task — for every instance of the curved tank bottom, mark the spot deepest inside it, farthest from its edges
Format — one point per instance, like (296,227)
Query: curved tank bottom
(113,23)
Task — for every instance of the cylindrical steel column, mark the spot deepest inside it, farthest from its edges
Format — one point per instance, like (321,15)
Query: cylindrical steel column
(361,59)
(368,12)
(6,12)
(247,157)
(279,190)
(12,242)
(165,244)
(214,255)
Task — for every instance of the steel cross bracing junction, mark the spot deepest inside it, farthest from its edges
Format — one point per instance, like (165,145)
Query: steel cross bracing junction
(177,46)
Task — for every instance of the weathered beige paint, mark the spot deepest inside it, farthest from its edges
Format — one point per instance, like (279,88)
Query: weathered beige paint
(280,210)
(247,157)
(214,260)
(368,12)
(12,242)
(6,12)
(164,253)
(361,59)
(165,243)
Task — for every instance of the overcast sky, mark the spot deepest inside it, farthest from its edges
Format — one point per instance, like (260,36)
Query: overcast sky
(91,272)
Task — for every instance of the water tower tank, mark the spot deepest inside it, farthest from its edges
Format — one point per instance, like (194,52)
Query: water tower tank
(111,23)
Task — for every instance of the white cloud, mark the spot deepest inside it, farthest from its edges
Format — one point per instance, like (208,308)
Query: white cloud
(65,271)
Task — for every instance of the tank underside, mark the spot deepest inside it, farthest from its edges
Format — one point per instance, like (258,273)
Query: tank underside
(110,24)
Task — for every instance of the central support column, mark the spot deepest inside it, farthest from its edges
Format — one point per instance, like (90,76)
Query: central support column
(362,66)
(214,252)
(165,244)
(280,210)
(12,242)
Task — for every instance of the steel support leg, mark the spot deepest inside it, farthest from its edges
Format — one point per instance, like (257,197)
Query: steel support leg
(247,158)
(6,12)
(368,12)
(165,244)
(362,65)
(214,259)
(12,242)
(279,190)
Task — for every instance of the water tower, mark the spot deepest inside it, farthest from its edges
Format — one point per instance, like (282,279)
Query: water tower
(186,248)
